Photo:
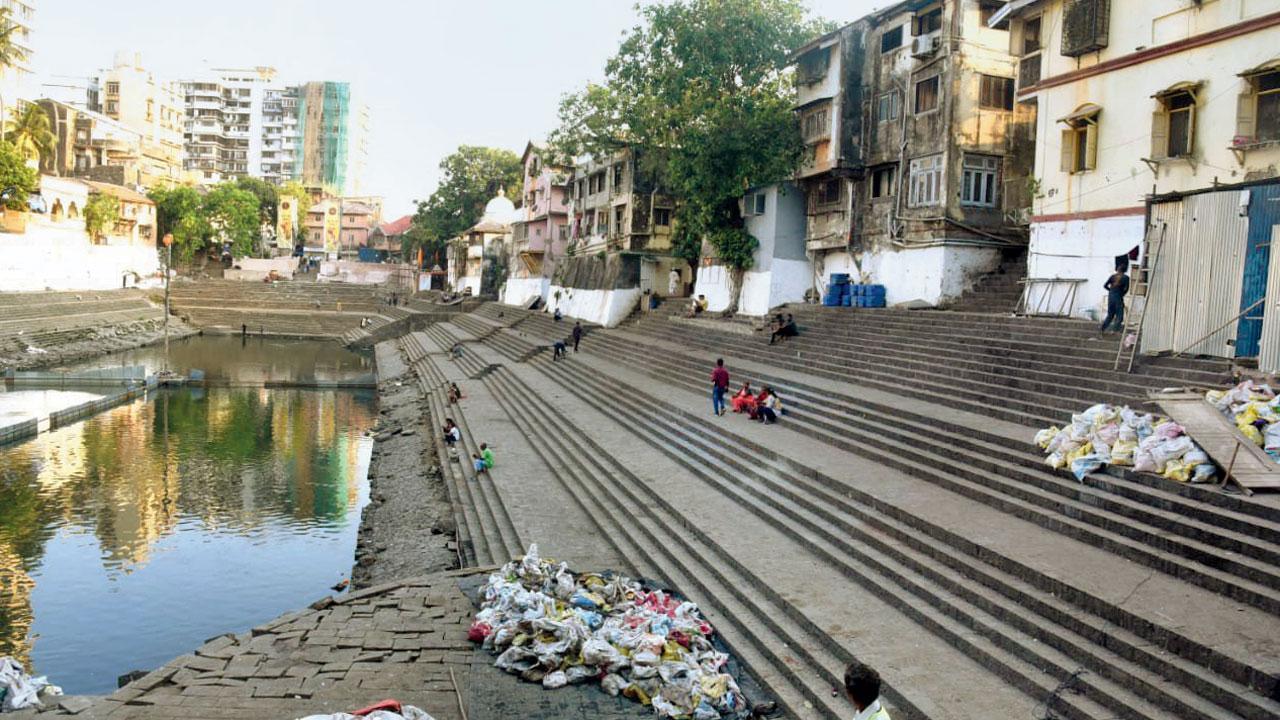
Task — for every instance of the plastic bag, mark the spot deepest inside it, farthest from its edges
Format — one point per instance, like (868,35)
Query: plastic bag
(1122,452)
(1046,436)
(1085,464)
(1271,437)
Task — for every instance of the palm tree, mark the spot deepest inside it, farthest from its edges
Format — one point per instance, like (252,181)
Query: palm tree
(10,52)
(30,133)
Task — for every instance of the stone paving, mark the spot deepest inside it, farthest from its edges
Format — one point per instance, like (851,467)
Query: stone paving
(405,640)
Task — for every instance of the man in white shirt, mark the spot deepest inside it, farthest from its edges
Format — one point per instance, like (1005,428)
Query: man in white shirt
(673,283)
(862,686)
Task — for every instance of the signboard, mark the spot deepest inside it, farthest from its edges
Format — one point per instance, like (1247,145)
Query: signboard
(286,222)
(332,229)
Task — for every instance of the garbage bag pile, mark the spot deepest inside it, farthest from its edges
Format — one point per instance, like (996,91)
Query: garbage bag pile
(552,626)
(393,711)
(1108,435)
(18,690)
(1255,409)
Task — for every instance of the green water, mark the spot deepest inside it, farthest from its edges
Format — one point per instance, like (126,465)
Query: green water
(131,537)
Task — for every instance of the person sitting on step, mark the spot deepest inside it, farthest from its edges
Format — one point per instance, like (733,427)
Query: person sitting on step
(483,460)
(452,434)
(760,401)
(745,400)
(698,306)
(455,352)
(768,412)
(455,394)
(558,315)
(862,687)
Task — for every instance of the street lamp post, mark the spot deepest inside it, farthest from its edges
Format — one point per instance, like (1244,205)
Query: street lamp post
(168,263)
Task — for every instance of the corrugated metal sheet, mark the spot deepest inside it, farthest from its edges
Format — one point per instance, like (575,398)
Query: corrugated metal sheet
(1196,284)
(1269,349)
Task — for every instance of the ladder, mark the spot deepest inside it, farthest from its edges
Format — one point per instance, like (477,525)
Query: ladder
(1140,285)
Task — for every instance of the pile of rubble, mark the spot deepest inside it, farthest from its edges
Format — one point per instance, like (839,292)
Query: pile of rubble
(552,626)
(1108,435)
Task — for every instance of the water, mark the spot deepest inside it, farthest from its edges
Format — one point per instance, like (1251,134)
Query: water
(131,537)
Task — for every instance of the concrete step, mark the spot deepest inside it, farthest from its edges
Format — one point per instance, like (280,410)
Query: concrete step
(848,559)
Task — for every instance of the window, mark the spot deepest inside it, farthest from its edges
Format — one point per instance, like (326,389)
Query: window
(987,8)
(996,93)
(1258,109)
(1173,124)
(1084,26)
(113,88)
(619,213)
(888,106)
(813,65)
(1079,150)
(927,95)
(112,106)
(602,222)
(753,204)
(828,192)
(981,178)
(617,176)
(1031,36)
(891,40)
(662,217)
(815,124)
(928,22)
(926,181)
(882,181)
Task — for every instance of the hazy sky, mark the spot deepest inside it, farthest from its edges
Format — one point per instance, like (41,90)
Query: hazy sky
(434,74)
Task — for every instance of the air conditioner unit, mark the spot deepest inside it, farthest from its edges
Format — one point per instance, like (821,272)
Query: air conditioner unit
(924,45)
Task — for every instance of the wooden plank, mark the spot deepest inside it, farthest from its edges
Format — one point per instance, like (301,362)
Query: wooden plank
(1214,432)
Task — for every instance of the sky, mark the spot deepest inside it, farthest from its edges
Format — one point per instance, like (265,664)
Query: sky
(434,74)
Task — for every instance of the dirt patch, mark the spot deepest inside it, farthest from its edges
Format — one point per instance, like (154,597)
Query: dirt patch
(84,343)
(407,527)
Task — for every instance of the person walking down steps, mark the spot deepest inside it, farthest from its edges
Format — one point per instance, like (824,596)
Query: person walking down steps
(577,335)
(719,386)
(862,687)
(1117,286)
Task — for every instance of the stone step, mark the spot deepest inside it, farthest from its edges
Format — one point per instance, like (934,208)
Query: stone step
(848,559)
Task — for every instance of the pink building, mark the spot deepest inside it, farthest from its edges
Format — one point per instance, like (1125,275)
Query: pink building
(540,235)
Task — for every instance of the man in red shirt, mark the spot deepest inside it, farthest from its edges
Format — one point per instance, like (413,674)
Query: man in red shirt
(719,384)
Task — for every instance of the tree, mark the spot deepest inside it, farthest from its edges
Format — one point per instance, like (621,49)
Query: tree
(267,195)
(10,52)
(233,216)
(16,179)
(31,134)
(179,212)
(701,86)
(472,175)
(101,213)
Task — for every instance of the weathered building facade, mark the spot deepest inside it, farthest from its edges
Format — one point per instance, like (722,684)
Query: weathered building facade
(541,233)
(620,239)
(1135,100)
(918,161)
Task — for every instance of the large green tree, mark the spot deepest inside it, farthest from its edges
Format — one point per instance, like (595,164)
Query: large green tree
(266,193)
(31,134)
(233,216)
(702,86)
(101,213)
(470,178)
(16,179)
(180,212)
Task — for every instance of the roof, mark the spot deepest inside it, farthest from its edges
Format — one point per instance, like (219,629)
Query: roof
(118,191)
(355,208)
(1011,9)
(397,226)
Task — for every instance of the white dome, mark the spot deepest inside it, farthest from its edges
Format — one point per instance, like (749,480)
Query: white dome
(499,210)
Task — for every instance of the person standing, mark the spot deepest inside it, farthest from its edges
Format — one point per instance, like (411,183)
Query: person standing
(719,385)
(1117,286)
(862,687)
(577,335)
(673,284)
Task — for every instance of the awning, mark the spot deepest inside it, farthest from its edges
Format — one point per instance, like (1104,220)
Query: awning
(1083,113)
(1002,16)
(1268,66)
(1174,89)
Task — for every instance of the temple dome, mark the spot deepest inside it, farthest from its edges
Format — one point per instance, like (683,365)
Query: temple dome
(499,210)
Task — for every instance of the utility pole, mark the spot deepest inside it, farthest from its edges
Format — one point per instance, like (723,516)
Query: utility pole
(168,264)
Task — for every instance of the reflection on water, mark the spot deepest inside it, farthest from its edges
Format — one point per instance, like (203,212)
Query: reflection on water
(25,403)
(252,359)
(130,538)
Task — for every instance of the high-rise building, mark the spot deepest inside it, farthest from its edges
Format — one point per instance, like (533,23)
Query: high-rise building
(333,131)
(131,95)
(16,80)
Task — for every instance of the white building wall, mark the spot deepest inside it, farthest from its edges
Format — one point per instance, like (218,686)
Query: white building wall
(1082,249)
(603,307)
(62,258)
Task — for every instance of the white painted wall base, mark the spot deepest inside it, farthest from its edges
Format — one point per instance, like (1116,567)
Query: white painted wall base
(932,274)
(55,259)
(1079,249)
(785,282)
(603,307)
(520,291)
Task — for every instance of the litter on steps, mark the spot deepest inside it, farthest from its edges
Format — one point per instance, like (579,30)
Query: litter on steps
(1108,435)
(1255,410)
(552,626)
(385,710)
(19,691)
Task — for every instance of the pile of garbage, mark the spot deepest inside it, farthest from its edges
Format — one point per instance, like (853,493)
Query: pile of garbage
(385,710)
(1108,435)
(552,626)
(18,690)
(1255,409)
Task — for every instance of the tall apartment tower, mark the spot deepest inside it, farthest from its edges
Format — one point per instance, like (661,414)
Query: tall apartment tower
(239,122)
(333,131)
